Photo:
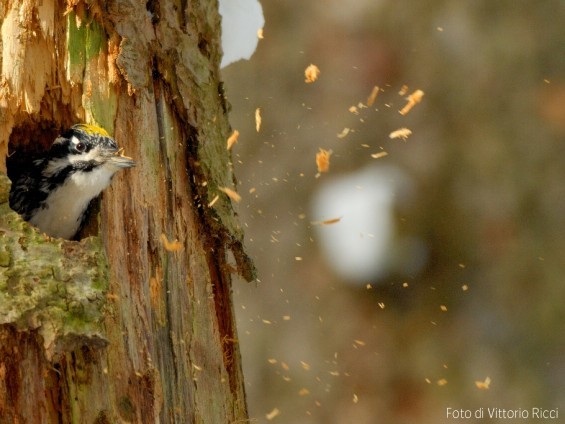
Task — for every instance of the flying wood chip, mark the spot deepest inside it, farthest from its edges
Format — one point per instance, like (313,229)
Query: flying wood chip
(483,385)
(373,96)
(344,133)
(327,221)
(402,133)
(311,73)
(323,160)
(379,155)
(273,414)
(231,194)
(413,99)
(258,119)
(232,139)
(214,200)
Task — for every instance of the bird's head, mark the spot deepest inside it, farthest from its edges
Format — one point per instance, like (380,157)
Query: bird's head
(84,148)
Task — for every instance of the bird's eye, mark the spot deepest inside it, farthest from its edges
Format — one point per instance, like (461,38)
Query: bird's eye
(80,146)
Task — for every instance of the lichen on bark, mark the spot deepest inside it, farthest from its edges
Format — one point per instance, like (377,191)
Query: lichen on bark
(57,287)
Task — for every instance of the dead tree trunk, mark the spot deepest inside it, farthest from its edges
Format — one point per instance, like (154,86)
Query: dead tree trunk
(134,324)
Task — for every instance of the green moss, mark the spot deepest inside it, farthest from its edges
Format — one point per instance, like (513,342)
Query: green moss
(102,107)
(5,258)
(55,286)
(85,44)
(102,101)
(76,39)
(96,40)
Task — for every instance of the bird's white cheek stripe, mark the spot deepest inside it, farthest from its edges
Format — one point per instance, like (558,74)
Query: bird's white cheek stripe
(58,165)
(55,166)
(94,154)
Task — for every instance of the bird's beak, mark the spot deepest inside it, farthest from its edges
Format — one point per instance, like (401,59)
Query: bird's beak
(118,159)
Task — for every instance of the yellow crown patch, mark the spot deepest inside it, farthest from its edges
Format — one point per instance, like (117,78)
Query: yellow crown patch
(91,129)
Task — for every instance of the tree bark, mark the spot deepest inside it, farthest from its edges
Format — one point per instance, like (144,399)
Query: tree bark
(135,324)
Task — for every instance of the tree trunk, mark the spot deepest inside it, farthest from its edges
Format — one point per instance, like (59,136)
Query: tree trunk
(135,324)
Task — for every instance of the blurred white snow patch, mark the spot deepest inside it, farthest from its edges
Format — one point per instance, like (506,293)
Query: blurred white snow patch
(241,19)
(364,245)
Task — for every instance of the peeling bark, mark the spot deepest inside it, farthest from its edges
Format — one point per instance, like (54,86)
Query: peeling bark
(157,342)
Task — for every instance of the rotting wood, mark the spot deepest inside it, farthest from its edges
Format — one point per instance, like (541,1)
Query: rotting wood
(148,72)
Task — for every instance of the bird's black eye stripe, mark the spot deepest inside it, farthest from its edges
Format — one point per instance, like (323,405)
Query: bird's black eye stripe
(85,166)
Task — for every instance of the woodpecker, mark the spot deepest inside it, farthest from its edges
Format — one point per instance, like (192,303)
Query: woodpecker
(54,191)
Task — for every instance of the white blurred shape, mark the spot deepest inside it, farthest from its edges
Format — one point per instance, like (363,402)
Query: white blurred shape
(241,19)
(362,246)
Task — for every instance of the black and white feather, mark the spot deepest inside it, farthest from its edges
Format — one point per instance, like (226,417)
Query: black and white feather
(53,192)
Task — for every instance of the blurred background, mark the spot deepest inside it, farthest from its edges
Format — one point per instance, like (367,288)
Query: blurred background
(446,267)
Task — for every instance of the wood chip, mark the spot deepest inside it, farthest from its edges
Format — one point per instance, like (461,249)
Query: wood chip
(121,154)
(311,73)
(379,155)
(214,200)
(303,392)
(232,139)
(413,99)
(327,221)
(344,133)
(231,194)
(258,119)
(273,414)
(483,385)
(403,90)
(260,35)
(373,96)
(323,160)
(402,133)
